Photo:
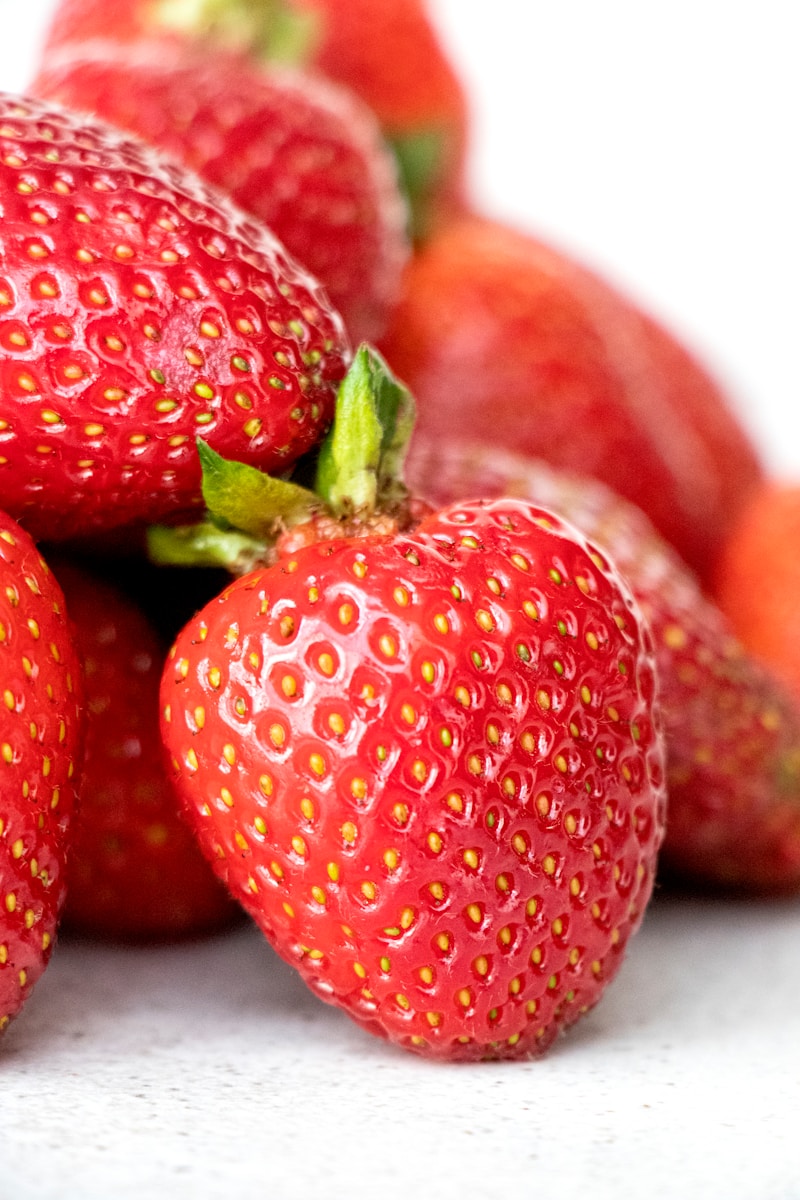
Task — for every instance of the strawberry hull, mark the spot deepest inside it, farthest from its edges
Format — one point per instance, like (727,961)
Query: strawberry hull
(140,309)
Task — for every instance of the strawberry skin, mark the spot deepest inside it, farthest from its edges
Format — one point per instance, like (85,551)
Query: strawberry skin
(757,581)
(299,153)
(135,871)
(502,335)
(732,730)
(138,308)
(41,726)
(428,766)
(386,52)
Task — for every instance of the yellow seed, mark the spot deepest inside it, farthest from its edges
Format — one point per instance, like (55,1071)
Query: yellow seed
(387,646)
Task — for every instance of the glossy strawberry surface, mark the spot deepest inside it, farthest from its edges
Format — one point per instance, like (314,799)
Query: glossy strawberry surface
(732,729)
(299,153)
(516,344)
(428,766)
(138,309)
(135,871)
(41,724)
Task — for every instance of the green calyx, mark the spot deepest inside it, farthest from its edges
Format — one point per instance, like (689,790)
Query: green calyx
(271,31)
(358,476)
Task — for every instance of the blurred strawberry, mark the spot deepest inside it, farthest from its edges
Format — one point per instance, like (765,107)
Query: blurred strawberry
(387,52)
(757,582)
(134,871)
(513,342)
(732,731)
(300,153)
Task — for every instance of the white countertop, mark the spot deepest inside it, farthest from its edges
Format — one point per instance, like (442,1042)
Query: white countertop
(208,1071)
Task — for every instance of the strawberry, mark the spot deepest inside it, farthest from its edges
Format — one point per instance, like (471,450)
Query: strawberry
(758,578)
(135,871)
(299,153)
(387,52)
(503,336)
(41,723)
(139,306)
(732,731)
(425,756)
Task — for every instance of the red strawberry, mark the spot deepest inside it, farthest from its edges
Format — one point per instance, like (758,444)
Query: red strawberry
(299,153)
(757,582)
(41,718)
(732,732)
(385,51)
(135,870)
(501,336)
(138,308)
(426,764)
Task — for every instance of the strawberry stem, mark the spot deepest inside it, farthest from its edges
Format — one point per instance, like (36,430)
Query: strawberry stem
(361,460)
(271,31)
(358,479)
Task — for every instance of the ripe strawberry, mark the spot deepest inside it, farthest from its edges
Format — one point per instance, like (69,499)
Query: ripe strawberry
(41,717)
(758,578)
(732,731)
(138,308)
(499,334)
(387,52)
(135,870)
(426,762)
(299,153)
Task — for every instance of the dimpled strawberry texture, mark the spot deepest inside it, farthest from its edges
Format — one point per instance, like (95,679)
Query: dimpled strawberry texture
(429,769)
(138,309)
(41,723)
(732,729)
(299,153)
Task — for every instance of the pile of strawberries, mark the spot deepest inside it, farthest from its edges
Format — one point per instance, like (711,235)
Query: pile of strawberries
(478,597)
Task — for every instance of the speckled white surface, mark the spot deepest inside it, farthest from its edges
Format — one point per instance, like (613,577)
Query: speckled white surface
(208,1070)
(657,142)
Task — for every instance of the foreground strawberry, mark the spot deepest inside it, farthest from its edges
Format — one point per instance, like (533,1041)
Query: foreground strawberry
(134,871)
(41,718)
(505,337)
(424,758)
(732,730)
(757,582)
(387,52)
(140,307)
(300,154)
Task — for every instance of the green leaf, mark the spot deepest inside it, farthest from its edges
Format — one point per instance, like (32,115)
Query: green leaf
(361,460)
(203,544)
(245,498)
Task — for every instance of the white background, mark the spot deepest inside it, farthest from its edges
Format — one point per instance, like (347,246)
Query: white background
(658,142)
